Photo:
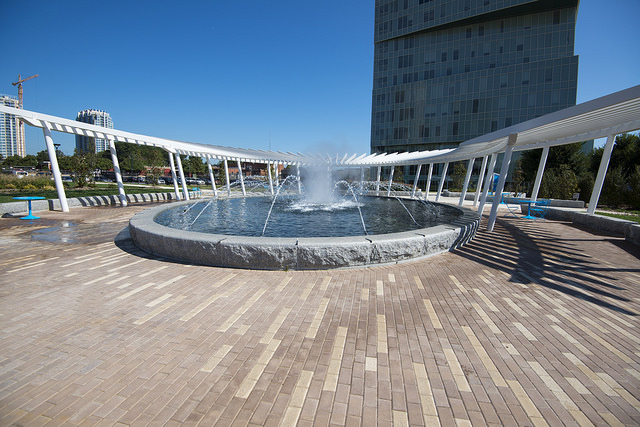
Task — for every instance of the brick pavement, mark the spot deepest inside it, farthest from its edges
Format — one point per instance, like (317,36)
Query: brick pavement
(533,324)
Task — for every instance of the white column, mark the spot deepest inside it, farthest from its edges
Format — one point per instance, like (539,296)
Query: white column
(212,178)
(244,193)
(487,182)
(226,176)
(299,183)
(415,181)
(444,175)
(182,180)
(504,170)
(390,181)
(541,165)
(116,170)
(378,181)
(480,180)
(466,182)
(55,169)
(174,178)
(270,177)
(602,172)
(428,186)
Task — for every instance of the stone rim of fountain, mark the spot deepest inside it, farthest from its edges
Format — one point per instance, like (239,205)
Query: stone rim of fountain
(305,253)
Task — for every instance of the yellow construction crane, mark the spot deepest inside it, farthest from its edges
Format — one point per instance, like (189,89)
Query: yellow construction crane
(19,84)
(21,143)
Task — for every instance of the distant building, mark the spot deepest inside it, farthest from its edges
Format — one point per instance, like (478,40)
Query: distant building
(85,144)
(446,71)
(11,133)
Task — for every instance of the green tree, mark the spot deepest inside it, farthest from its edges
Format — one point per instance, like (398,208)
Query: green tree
(594,159)
(568,154)
(152,174)
(559,183)
(193,165)
(27,161)
(586,182)
(221,176)
(103,164)
(619,184)
(83,167)
(613,188)
(129,157)
(398,175)
(155,157)
(626,153)
(634,189)
(458,175)
(65,164)
(42,156)
(517,183)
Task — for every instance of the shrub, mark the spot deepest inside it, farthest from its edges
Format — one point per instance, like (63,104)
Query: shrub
(457,175)
(585,186)
(613,188)
(29,182)
(634,189)
(559,183)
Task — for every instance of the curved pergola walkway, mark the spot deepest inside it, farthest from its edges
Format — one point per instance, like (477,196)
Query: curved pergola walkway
(606,116)
(532,324)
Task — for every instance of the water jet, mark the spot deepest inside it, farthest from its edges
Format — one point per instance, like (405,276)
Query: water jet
(290,231)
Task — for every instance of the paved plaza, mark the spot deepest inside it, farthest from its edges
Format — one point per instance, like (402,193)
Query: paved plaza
(535,323)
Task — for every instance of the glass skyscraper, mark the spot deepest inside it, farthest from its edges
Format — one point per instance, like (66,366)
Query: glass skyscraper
(446,71)
(11,133)
(85,144)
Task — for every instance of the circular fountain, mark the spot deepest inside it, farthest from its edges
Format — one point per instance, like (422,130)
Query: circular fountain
(346,227)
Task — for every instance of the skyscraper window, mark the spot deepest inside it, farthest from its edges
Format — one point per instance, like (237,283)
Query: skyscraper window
(86,144)
(11,133)
(460,68)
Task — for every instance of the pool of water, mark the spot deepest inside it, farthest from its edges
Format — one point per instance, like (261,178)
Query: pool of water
(293,216)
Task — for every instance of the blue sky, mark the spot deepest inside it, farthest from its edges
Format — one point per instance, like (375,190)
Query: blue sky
(290,75)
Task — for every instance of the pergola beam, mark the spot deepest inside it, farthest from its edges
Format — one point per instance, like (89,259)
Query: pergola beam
(602,117)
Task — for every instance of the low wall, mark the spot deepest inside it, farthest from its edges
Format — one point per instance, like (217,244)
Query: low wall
(54,204)
(619,227)
(576,204)
(317,253)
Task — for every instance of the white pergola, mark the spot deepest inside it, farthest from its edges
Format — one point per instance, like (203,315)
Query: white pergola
(603,117)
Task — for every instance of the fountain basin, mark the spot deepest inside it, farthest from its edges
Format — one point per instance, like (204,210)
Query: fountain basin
(293,253)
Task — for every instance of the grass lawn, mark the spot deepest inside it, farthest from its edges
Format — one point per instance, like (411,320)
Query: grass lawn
(631,216)
(6,196)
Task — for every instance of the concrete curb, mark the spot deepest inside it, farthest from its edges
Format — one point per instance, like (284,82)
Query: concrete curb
(558,203)
(318,253)
(599,223)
